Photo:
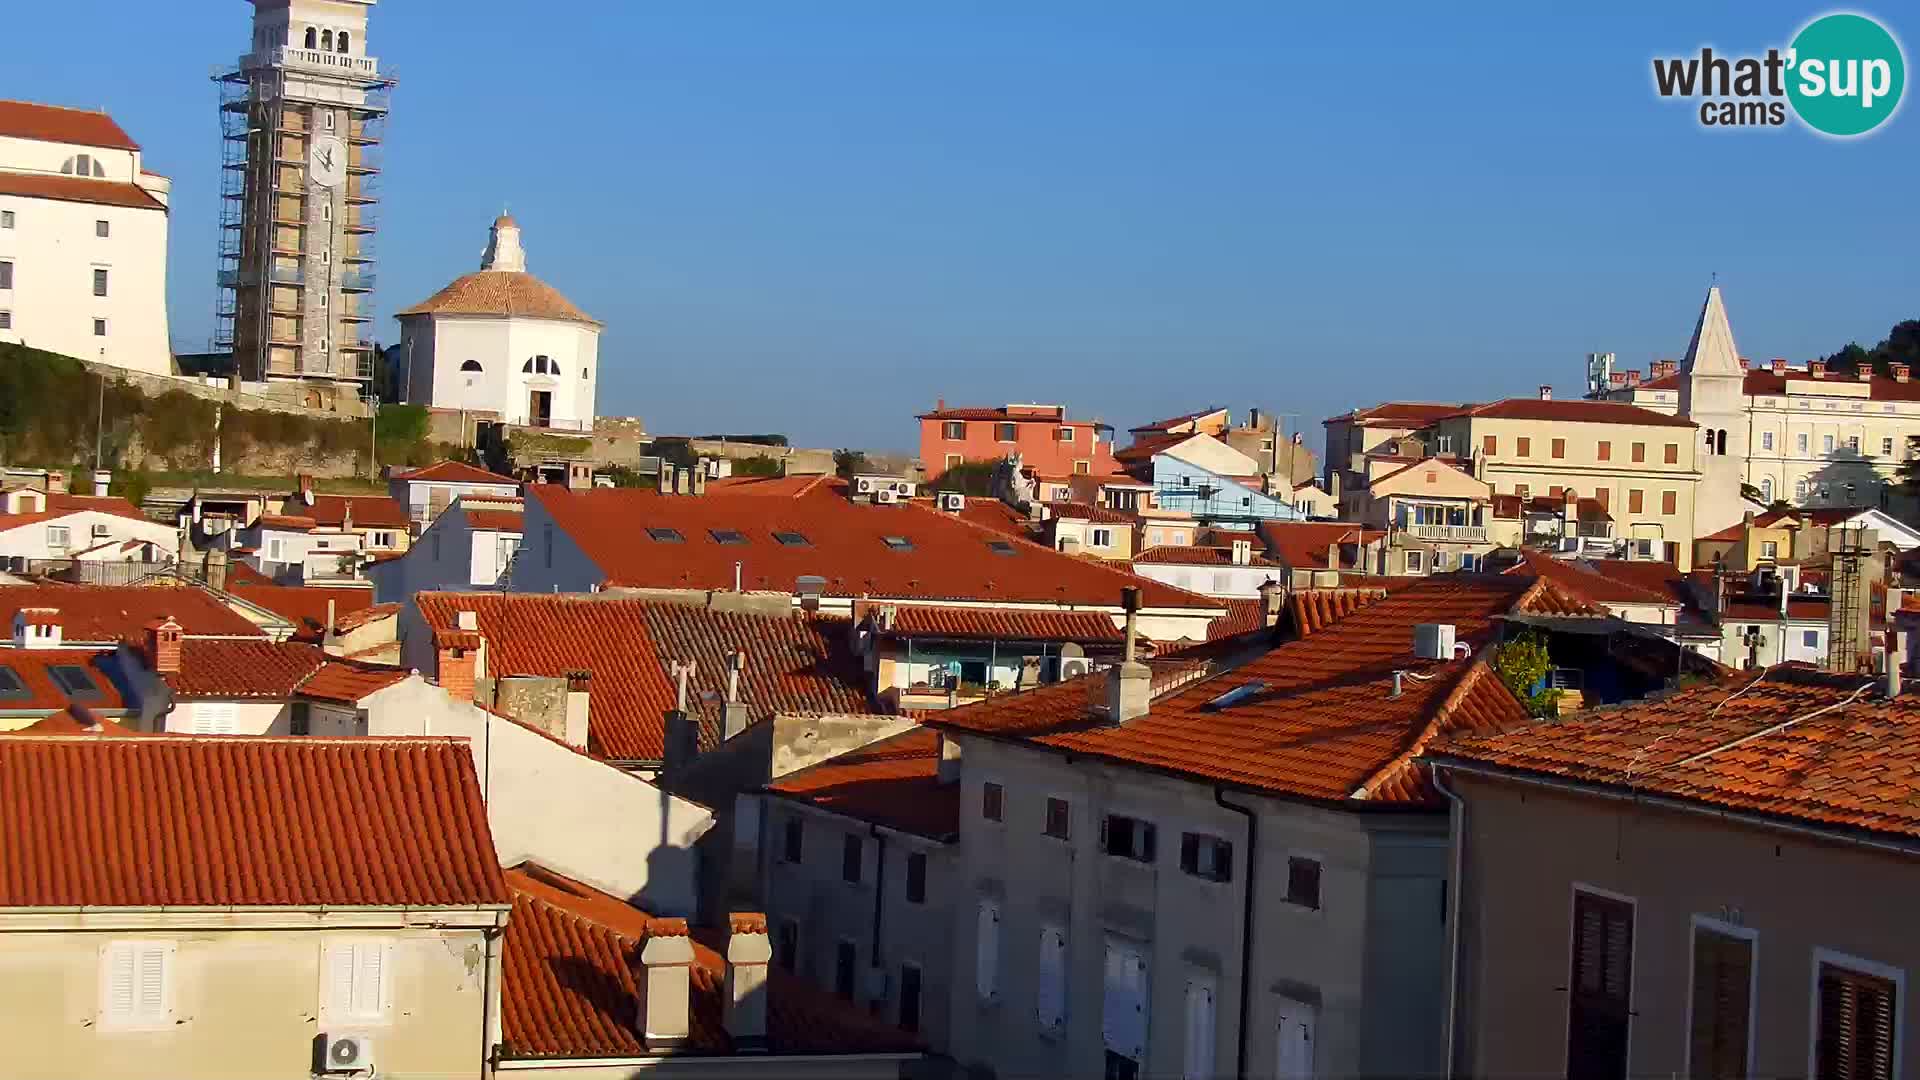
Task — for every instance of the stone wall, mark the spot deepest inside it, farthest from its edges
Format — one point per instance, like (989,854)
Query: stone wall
(279,397)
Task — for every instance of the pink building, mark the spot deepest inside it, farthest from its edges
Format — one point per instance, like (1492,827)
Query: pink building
(1051,444)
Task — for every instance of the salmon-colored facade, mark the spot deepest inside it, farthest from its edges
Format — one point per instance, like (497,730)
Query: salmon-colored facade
(1050,444)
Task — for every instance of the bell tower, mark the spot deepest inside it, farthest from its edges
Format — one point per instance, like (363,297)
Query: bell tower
(302,118)
(1713,395)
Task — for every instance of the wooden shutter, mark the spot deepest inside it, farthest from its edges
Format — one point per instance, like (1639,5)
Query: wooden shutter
(122,963)
(340,972)
(1600,988)
(356,973)
(986,970)
(1856,1018)
(1124,1004)
(1050,1000)
(150,1001)
(1200,1029)
(1722,981)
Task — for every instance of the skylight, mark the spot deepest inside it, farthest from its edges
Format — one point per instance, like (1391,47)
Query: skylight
(727,536)
(665,535)
(1235,696)
(897,543)
(74,680)
(1001,547)
(10,684)
(792,539)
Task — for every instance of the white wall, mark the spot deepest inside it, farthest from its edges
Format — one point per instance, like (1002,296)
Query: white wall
(502,346)
(553,804)
(54,252)
(1241,582)
(31,540)
(249,717)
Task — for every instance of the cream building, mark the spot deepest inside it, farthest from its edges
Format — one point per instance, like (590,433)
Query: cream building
(83,239)
(1805,435)
(502,341)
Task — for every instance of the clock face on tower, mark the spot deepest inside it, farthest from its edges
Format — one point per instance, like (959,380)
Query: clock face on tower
(328,161)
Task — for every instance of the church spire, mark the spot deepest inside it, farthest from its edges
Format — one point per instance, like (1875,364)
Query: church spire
(503,247)
(1712,351)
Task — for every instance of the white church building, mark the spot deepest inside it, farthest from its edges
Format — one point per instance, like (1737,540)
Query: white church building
(501,340)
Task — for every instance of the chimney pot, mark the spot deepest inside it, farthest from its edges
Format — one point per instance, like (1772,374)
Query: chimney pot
(467,620)
(102,480)
(1779,366)
(579,699)
(163,646)
(1901,372)
(1546,393)
(1817,369)
(1273,598)
(748,955)
(668,960)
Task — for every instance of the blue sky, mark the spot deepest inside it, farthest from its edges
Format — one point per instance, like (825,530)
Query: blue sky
(817,218)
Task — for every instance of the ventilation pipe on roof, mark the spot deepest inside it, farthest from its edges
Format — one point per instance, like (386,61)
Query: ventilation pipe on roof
(668,960)
(734,717)
(1273,599)
(1395,692)
(579,697)
(1130,683)
(682,740)
(103,479)
(700,476)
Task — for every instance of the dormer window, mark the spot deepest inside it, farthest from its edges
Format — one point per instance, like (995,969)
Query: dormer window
(82,165)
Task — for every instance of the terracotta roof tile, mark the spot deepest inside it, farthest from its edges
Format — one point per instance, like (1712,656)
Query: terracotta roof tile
(570,987)
(369,511)
(1303,544)
(1242,617)
(56,123)
(372,613)
(1003,624)
(38,690)
(1087,512)
(78,190)
(1316,609)
(305,606)
(1202,555)
(109,614)
(348,681)
(1323,723)
(948,558)
(794,664)
(1793,744)
(1573,412)
(215,822)
(454,472)
(74,720)
(59,506)
(1400,414)
(222,668)
(498,520)
(1608,581)
(501,292)
(893,782)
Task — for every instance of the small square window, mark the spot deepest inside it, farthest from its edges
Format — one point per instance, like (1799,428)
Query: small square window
(1066,434)
(1206,856)
(74,680)
(1303,882)
(732,537)
(102,228)
(664,535)
(6,320)
(1102,538)
(786,946)
(791,849)
(993,801)
(99,282)
(851,852)
(1059,819)
(99,328)
(1005,432)
(1128,838)
(954,429)
(6,219)
(917,877)
(791,539)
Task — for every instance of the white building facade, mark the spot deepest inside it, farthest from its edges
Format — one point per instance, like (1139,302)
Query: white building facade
(83,239)
(502,341)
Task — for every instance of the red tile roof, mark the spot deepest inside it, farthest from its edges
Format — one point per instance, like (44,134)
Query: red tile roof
(1019,414)
(349,681)
(454,472)
(1175,421)
(1323,725)
(1608,582)
(59,506)
(1793,744)
(1087,512)
(1303,544)
(74,720)
(784,487)
(300,522)
(1762,383)
(55,123)
(1316,609)
(41,692)
(794,664)
(372,613)
(1146,446)
(569,986)
(1242,617)
(239,573)
(78,190)
(513,293)
(998,516)
(215,822)
(950,558)
(369,511)
(1573,412)
(498,520)
(223,669)
(109,614)
(305,606)
(1766,608)
(893,782)
(1204,555)
(1408,414)
(1002,624)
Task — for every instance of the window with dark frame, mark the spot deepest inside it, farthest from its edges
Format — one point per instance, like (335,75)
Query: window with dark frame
(843,967)
(1059,822)
(99,282)
(916,877)
(664,535)
(1121,1067)
(73,680)
(1855,1020)
(792,539)
(993,801)
(851,850)
(786,946)
(909,998)
(1722,1004)
(1005,432)
(791,850)
(1128,838)
(954,429)
(102,228)
(11,685)
(1303,882)
(300,720)
(1599,988)
(1206,856)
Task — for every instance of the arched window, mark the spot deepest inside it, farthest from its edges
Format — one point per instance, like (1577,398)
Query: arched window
(541,365)
(313,37)
(326,41)
(341,42)
(1800,491)
(1720,446)
(1709,434)
(1766,490)
(82,165)
(471,365)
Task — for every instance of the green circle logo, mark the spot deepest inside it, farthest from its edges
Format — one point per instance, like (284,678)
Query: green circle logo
(1845,74)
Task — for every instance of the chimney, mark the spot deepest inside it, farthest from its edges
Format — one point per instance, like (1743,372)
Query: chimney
(1130,683)
(734,714)
(668,960)
(1333,555)
(57,481)
(1896,656)
(163,646)
(1779,365)
(700,477)
(683,481)
(1633,378)
(1900,372)
(102,480)
(37,628)
(939,404)
(1546,393)
(948,771)
(1273,599)
(579,689)
(457,662)
(666,479)
(215,566)
(1745,363)
(1817,369)
(682,737)
(748,953)
(306,489)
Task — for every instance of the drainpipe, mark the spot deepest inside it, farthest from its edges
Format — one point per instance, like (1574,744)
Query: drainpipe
(879,888)
(1246,924)
(1457,813)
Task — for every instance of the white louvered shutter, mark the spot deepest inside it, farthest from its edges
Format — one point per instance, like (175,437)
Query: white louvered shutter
(135,990)
(214,718)
(151,1001)
(1123,1009)
(1051,1000)
(370,980)
(1137,978)
(1200,1030)
(340,972)
(122,978)
(986,974)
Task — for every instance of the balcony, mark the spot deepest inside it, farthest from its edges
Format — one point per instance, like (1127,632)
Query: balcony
(1460,534)
(344,63)
(282,275)
(356,281)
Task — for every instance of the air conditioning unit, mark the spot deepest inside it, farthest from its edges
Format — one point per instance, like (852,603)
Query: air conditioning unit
(1072,669)
(953,501)
(346,1054)
(886,497)
(863,485)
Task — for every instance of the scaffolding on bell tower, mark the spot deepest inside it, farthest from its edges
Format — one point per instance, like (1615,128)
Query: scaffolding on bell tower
(1852,577)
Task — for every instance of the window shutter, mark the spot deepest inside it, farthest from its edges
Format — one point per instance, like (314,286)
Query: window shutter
(1112,995)
(1296,1033)
(1200,1032)
(1051,999)
(1190,852)
(987,951)
(1722,969)
(370,976)
(1855,1040)
(152,1001)
(1146,841)
(122,980)
(340,973)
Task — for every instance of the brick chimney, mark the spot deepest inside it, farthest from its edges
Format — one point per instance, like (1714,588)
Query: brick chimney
(668,960)
(665,480)
(457,661)
(1817,369)
(1901,372)
(748,953)
(163,646)
(1129,683)
(579,688)
(1633,378)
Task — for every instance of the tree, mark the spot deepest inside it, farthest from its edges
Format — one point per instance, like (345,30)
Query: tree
(1900,346)
(1522,664)
(848,462)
